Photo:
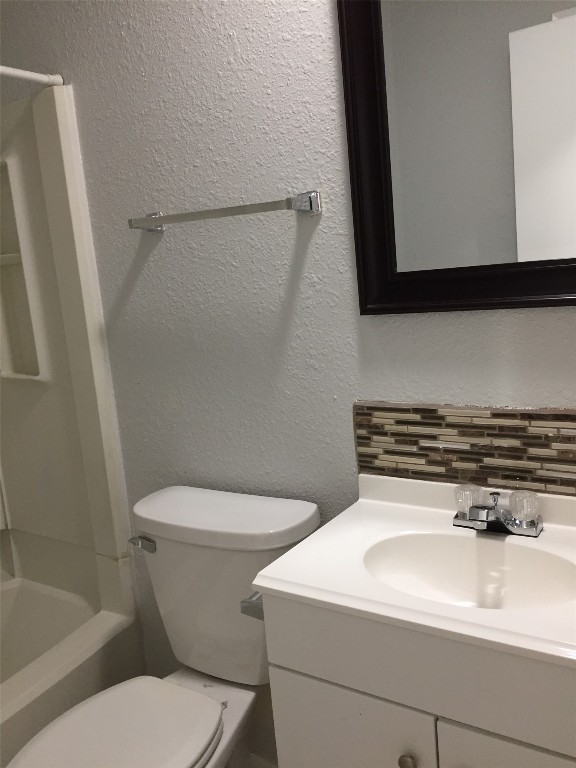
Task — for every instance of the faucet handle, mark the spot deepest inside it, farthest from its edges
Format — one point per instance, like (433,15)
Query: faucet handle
(524,506)
(467,496)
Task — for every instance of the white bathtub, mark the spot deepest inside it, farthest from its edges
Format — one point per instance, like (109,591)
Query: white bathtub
(56,650)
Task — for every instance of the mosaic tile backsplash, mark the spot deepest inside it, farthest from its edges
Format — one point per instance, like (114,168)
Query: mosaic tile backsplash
(503,448)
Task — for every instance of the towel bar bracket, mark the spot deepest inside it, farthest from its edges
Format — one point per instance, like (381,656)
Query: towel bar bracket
(306,202)
(158,227)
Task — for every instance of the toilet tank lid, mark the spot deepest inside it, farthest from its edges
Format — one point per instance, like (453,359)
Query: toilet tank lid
(225,520)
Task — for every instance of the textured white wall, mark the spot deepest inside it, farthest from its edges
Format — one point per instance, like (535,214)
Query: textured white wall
(236,345)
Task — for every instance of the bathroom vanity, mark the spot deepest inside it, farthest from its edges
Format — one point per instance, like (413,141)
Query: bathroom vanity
(395,639)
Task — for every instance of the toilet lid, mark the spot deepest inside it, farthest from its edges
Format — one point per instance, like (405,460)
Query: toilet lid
(142,723)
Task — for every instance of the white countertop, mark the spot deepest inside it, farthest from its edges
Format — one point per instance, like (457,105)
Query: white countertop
(328,569)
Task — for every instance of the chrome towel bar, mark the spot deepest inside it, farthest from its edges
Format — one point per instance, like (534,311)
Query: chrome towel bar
(305,202)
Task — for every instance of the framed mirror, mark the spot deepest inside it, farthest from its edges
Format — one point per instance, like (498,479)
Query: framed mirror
(461,124)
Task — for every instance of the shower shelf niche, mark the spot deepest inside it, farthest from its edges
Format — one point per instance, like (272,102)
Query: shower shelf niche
(18,352)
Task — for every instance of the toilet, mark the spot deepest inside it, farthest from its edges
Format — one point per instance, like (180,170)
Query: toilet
(202,548)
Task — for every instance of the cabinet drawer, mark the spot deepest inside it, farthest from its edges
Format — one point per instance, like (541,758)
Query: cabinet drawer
(461,747)
(321,725)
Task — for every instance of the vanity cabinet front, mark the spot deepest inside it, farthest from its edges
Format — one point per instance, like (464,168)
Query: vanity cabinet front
(461,747)
(321,725)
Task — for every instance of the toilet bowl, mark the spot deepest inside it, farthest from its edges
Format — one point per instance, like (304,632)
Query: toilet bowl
(204,548)
(187,720)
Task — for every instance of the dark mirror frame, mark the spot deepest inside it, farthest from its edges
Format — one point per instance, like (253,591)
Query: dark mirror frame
(382,289)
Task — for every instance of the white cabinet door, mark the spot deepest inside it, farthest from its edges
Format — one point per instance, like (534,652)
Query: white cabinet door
(320,725)
(461,747)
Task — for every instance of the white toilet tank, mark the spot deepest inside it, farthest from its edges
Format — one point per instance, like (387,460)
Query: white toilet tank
(209,547)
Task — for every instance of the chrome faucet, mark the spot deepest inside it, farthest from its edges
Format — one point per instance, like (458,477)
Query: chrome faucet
(496,519)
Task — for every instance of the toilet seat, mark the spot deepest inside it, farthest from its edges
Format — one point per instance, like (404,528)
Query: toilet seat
(141,723)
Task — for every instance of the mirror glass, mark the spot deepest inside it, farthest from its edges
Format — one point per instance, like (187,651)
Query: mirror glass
(481,101)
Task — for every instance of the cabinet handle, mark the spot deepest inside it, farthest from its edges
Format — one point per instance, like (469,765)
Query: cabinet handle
(407,761)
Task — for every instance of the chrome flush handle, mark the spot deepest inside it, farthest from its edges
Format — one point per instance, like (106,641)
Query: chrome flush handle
(143,542)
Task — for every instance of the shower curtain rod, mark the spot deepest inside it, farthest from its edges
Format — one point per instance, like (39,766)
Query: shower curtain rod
(32,77)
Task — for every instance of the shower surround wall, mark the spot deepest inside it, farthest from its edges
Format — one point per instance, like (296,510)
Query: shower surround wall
(237,348)
(67,610)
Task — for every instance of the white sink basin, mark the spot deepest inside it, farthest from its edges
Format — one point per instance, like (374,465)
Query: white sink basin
(480,571)
(395,556)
